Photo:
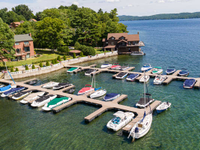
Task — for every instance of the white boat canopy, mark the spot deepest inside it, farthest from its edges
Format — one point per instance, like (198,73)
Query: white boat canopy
(120,114)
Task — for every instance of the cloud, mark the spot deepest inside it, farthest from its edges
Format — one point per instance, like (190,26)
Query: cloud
(130,5)
(161,1)
(112,1)
(76,3)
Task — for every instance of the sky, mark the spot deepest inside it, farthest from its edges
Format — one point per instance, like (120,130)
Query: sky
(124,7)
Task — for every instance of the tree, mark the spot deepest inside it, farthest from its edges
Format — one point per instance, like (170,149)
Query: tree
(74,55)
(64,49)
(26,68)
(58,58)
(77,45)
(64,57)
(41,65)
(33,66)
(6,41)
(25,28)
(81,54)
(47,63)
(49,33)
(12,70)
(16,70)
(24,11)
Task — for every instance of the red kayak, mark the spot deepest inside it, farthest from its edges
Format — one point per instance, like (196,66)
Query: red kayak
(86,89)
(115,67)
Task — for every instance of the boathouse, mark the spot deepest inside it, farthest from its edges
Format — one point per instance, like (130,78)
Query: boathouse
(124,43)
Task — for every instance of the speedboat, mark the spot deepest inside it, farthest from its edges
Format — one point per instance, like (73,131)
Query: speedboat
(170,70)
(86,89)
(163,106)
(98,93)
(159,79)
(132,77)
(55,102)
(50,85)
(115,67)
(33,82)
(189,83)
(21,95)
(144,101)
(43,100)
(33,96)
(123,68)
(146,67)
(106,65)
(121,75)
(184,72)
(144,78)
(121,119)
(12,91)
(111,96)
(61,85)
(5,88)
(70,91)
(90,71)
(142,127)
(72,69)
(157,70)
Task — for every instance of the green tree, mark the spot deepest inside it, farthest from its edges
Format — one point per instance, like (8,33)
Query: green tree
(41,65)
(33,66)
(47,63)
(64,49)
(16,70)
(74,55)
(13,17)
(12,70)
(77,46)
(25,28)
(6,41)
(49,33)
(64,57)
(81,54)
(26,68)
(58,58)
(24,11)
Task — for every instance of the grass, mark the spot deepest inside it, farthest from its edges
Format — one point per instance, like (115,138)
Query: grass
(100,51)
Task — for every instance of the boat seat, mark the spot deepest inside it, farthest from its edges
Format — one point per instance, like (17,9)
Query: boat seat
(140,125)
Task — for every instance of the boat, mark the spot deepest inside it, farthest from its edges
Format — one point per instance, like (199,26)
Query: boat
(142,127)
(90,72)
(132,77)
(115,67)
(33,96)
(12,91)
(70,91)
(144,78)
(111,96)
(170,70)
(121,75)
(121,119)
(146,67)
(98,91)
(159,79)
(86,89)
(162,107)
(106,65)
(33,82)
(189,83)
(5,88)
(61,85)
(157,70)
(136,53)
(55,102)
(21,95)
(50,85)
(43,100)
(123,68)
(72,69)
(184,72)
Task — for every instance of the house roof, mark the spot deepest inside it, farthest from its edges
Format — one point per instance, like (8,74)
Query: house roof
(129,37)
(22,38)
(15,23)
(122,41)
(75,51)
(33,20)
(110,46)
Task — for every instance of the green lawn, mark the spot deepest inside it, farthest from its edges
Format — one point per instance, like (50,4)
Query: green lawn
(100,51)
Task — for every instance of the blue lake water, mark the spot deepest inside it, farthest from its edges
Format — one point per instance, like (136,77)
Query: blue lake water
(167,43)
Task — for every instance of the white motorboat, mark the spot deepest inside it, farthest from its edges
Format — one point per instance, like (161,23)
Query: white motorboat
(106,65)
(163,106)
(142,127)
(21,95)
(146,67)
(121,75)
(90,72)
(30,98)
(61,86)
(50,85)
(121,119)
(98,93)
(157,70)
(55,102)
(43,100)
(159,79)
(144,78)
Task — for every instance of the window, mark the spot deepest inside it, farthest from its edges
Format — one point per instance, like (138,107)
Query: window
(26,43)
(112,38)
(16,43)
(112,43)
(122,38)
(27,49)
(129,43)
(18,50)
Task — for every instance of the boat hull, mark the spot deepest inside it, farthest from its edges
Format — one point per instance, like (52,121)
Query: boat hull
(110,99)
(98,94)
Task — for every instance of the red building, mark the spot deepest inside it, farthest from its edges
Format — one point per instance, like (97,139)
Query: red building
(124,43)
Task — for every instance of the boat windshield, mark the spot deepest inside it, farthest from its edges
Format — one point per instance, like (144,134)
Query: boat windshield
(116,120)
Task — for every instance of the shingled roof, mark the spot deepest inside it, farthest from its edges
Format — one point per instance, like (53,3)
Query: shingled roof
(22,38)
(129,37)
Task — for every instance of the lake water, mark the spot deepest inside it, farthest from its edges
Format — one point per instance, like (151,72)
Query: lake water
(168,43)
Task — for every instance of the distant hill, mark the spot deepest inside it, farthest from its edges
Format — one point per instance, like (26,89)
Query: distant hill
(161,16)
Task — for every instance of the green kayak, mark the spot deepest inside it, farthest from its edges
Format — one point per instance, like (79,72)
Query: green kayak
(72,69)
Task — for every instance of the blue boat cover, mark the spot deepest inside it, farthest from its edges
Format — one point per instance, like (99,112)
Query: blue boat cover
(189,82)
(13,90)
(132,76)
(111,95)
(97,88)
(183,72)
(5,88)
(170,70)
